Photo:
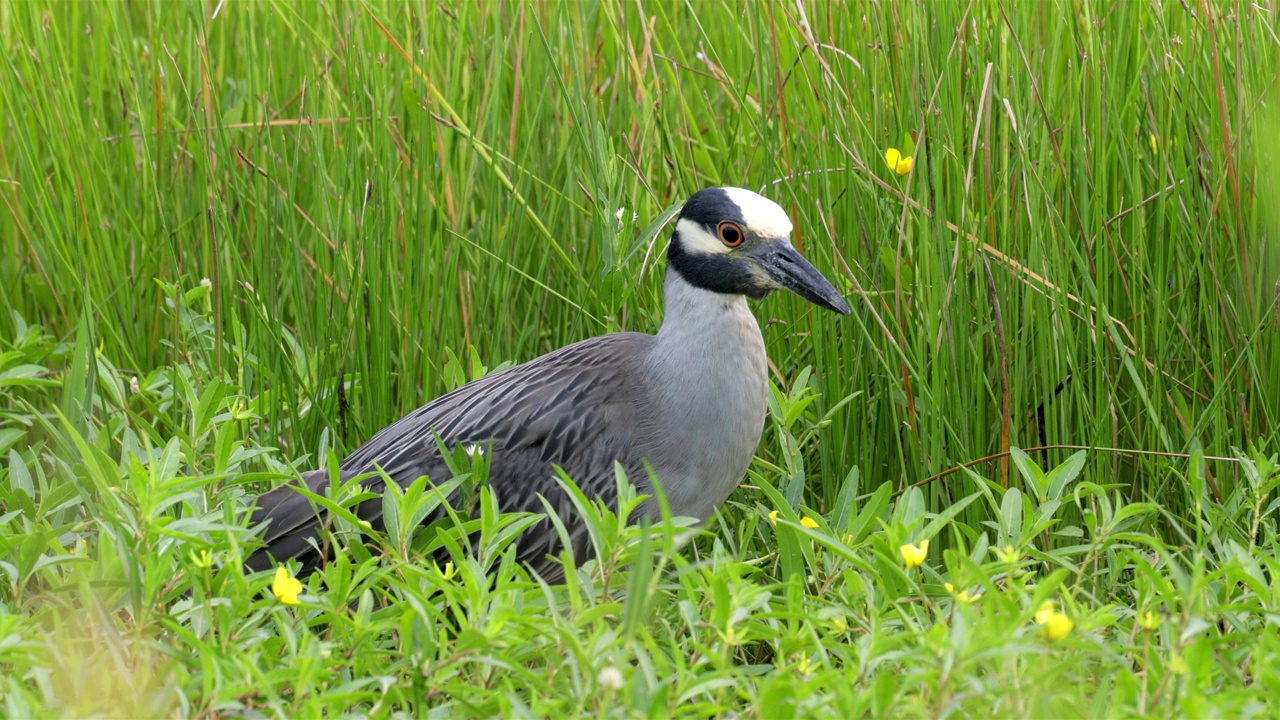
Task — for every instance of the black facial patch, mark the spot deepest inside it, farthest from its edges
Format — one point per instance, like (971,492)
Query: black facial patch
(728,274)
(717,273)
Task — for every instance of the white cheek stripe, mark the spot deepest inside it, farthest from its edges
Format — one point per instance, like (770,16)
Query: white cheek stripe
(696,238)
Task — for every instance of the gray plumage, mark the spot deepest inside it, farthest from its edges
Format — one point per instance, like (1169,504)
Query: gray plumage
(690,401)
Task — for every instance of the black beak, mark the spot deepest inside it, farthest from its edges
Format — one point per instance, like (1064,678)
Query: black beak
(792,272)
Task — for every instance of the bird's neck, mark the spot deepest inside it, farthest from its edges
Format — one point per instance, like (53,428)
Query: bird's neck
(708,393)
(689,306)
(709,335)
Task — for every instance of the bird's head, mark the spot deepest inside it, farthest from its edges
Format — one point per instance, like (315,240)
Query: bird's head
(733,241)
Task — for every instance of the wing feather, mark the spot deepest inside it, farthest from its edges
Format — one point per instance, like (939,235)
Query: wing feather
(574,408)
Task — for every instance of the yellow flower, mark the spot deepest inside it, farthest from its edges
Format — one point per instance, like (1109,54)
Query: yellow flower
(913,555)
(804,665)
(804,521)
(1008,554)
(1044,613)
(1057,625)
(897,163)
(1178,665)
(963,596)
(1149,621)
(285,587)
(1155,143)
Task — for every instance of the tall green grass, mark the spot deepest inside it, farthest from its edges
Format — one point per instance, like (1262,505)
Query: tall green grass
(365,187)
(384,197)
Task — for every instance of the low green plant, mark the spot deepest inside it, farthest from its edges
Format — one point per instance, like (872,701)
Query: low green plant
(124,591)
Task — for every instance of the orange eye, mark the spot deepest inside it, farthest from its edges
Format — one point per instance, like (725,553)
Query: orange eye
(730,234)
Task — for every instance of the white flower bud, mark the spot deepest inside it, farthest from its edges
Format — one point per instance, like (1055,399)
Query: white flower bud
(610,678)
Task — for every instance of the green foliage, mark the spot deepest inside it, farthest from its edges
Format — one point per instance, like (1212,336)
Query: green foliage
(237,239)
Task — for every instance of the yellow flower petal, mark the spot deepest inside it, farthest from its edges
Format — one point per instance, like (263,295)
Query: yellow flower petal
(1149,620)
(897,162)
(808,522)
(773,517)
(1058,626)
(285,587)
(913,555)
(963,596)
(1155,146)
(1044,613)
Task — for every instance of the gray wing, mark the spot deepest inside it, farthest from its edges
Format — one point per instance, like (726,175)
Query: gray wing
(573,408)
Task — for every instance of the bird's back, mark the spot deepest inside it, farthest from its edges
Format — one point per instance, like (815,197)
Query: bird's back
(574,408)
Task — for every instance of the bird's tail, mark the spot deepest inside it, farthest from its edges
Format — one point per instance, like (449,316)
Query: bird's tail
(294,524)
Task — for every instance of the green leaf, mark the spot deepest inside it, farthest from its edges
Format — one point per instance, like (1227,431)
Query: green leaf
(940,521)
(78,380)
(1011,517)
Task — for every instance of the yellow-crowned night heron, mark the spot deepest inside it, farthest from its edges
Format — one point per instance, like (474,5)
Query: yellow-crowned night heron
(689,401)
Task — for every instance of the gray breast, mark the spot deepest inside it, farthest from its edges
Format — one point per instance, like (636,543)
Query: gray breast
(707,395)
